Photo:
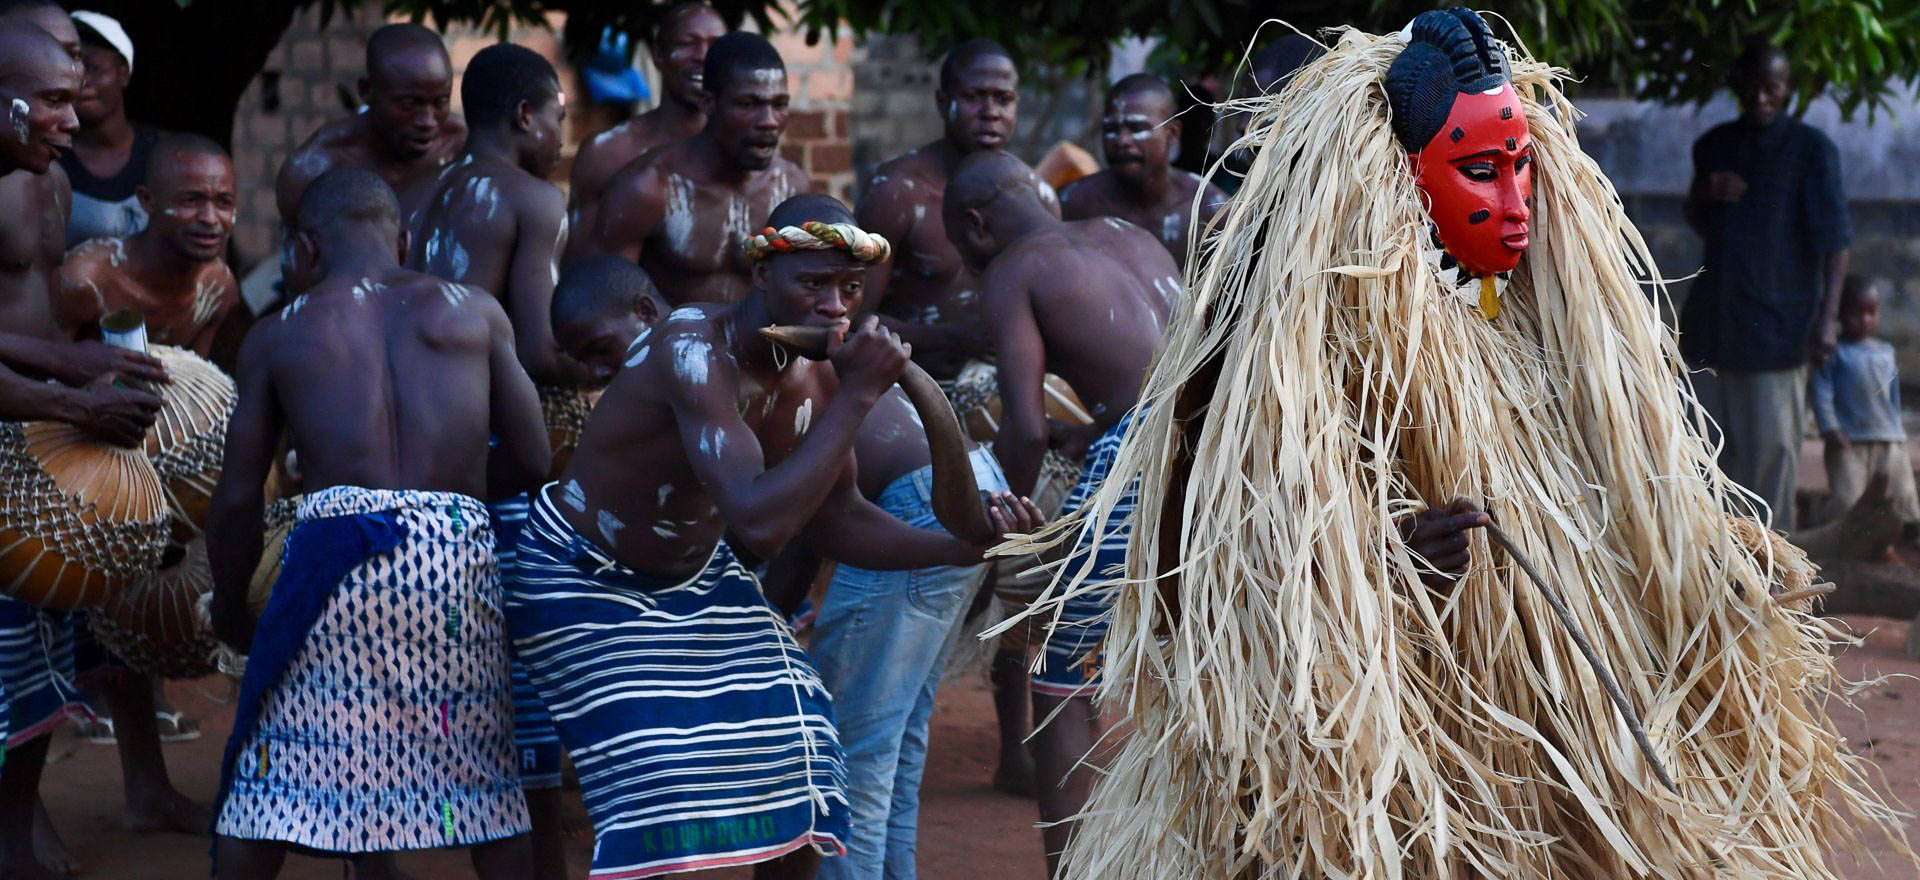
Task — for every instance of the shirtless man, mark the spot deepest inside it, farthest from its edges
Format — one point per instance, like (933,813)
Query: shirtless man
(682,210)
(680,46)
(173,272)
(494,222)
(1140,185)
(390,382)
(601,304)
(926,293)
(643,631)
(39,78)
(406,134)
(1085,300)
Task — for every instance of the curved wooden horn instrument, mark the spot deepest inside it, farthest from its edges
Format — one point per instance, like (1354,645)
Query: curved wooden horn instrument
(956,498)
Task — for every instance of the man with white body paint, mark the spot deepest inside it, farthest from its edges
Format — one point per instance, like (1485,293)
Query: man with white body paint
(1140,185)
(495,223)
(925,292)
(374,714)
(39,79)
(174,271)
(701,732)
(682,210)
(687,30)
(406,132)
(1078,299)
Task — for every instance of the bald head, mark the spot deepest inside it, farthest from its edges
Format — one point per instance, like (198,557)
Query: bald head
(1142,85)
(347,198)
(48,16)
(38,83)
(991,200)
(398,44)
(809,206)
(26,52)
(992,178)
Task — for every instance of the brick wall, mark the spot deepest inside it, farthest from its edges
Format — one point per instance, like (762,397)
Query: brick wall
(300,90)
(820,78)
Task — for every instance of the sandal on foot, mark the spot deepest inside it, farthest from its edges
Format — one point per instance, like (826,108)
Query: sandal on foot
(176,727)
(98,731)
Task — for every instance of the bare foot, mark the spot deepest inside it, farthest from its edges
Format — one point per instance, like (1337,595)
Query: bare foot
(48,849)
(170,812)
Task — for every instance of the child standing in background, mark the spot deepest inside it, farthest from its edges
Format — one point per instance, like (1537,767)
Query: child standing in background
(1856,402)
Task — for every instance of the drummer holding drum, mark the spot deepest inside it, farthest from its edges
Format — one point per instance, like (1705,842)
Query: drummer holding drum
(80,517)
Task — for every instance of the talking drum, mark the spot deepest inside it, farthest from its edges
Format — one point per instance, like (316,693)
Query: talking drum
(154,624)
(565,411)
(79,519)
(190,434)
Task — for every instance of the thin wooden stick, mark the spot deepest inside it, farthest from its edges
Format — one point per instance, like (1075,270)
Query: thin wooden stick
(1600,670)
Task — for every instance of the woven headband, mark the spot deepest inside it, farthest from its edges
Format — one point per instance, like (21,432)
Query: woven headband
(814,235)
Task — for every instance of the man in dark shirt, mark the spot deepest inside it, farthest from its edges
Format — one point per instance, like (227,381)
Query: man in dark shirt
(108,161)
(1766,197)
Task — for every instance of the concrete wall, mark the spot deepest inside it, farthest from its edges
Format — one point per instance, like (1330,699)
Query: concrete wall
(1647,150)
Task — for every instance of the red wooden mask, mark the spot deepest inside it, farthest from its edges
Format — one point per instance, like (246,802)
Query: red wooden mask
(1477,173)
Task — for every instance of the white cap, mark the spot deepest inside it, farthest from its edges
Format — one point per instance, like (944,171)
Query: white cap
(109,30)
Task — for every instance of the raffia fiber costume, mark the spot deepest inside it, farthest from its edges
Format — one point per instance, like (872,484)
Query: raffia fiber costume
(1302,706)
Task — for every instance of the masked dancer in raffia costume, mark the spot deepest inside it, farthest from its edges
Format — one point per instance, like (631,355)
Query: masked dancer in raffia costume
(1426,291)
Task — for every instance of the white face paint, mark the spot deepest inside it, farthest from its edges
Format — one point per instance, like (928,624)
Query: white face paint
(116,251)
(574,496)
(803,417)
(953,110)
(662,529)
(768,76)
(605,136)
(909,183)
(919,212)
(610,527)
(690,358)
(685,313)
(679,222)
(18,116)
(1170,227)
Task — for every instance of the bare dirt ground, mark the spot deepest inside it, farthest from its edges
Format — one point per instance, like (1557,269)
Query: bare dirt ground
(968,831)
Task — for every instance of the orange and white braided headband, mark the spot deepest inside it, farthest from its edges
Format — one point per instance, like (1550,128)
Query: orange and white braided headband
(814,235)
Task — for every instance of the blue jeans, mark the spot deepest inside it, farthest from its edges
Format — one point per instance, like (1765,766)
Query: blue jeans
(881,645)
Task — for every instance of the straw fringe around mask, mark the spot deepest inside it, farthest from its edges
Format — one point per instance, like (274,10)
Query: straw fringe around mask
(1305,708)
